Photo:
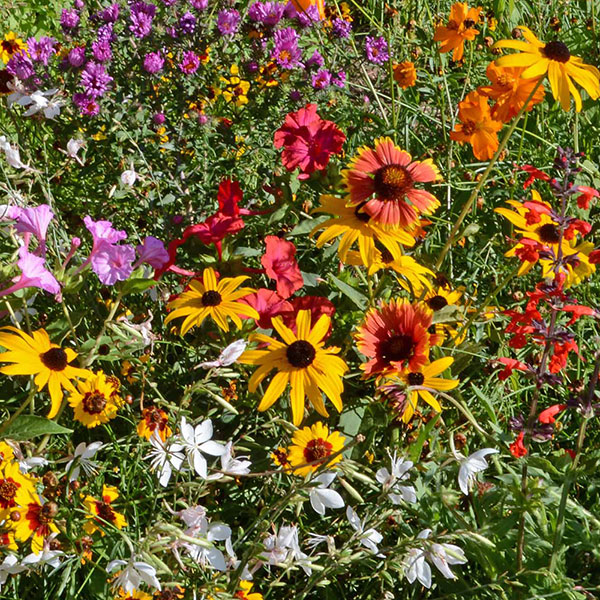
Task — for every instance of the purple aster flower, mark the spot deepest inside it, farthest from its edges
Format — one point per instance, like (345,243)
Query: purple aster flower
(105,33)
(41,50)
(153,62)
(76,56)
(79,4)
(339,80)
(295,96)
(267,13)
(187,23)
(305,17)
(95,79)
(228,21)
(101,51)
(169,2)
(141,19)
(159,118)
(377,49)
(34,221)
(286,52)
(69,19)
(113,263)
(321,79)
(199,4)
(341,28)
(189,63)
(110,14)
(33,274)
(86,104)
(20,66)
(316,60)
(153,252)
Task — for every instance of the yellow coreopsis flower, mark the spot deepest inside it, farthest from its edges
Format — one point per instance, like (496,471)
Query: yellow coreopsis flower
(36,521)
(236,89)
(11,45)
(101,511)
(96,400)
(312,446)
(17,489)
(555,60)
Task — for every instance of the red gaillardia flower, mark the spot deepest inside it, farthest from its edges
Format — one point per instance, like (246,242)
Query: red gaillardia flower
(396,337)
(382,179)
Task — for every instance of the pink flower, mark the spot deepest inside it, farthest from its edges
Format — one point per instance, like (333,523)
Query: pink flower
(280,264)
(317,305)
(113,263)
(103,231)
(34,221)
(153,252)
(308,141)
(33,274)
(268,304)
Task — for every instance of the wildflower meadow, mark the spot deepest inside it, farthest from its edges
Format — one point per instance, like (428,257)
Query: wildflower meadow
(299,300)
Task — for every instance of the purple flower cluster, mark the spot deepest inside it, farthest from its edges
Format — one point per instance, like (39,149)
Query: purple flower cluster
(316,60)
(228,21)
(95,80)
(141,15)
(377,50)
(286,52)
(187,23)
(86,104)
(341,28)
(20,66)
(267,13)
(76,57)
(101,51)
(69,19)
(189,63)
(199,4)
(110,14)
(305,17)
(41,50)
(153,62)
(321,79)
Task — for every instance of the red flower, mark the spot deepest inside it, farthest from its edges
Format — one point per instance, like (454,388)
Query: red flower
(547,415)
(229,196)
(533,175)
(587,195)
(571,453)
(578,311)
(517,448)
(280,264)
(316,304)
(510,364)
(268,304)
(561,355)
(308,141)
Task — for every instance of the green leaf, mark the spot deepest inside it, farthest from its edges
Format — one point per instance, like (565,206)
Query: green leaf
(359,299)
(26,427)
(417,447)
(133,286)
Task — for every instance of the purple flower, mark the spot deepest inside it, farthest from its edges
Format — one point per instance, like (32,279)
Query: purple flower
(267,13)
(105,238)
(69,19)
(20,66)
(305,17)
(199,4)
(286,52)
(153,62)
(377,50)
(103,231)
(228,21)
(34,221)
(339,80)
(189,63)
(113,263)
(33,274)
(78,4)
(76,56)
(153,252)
(95,79)
(341,28)
(316,60)
(105,33)
(159,118)
(321,79)
(86,104)
(41,50)
(187,23)
(295,96)
(101,51)
(110,14)
(141,19)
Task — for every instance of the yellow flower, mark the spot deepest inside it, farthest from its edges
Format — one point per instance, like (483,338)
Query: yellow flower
(96,400)
(10,46)
(154,419)
(209,298)
(35,520)
(36,355)
(300,360)
(133,595)
(243,593)
(236,89)
(314,445)
(17,490)
(280,457)
(405,74)
(6,453)
(101,511)
(555,60)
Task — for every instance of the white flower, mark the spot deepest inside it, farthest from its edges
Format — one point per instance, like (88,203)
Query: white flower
(73,148)
(134,573)
(13,158)
(32,462)
(39,102)
(198,440)
(129,177)
(321,497)
(44,557)
(283,546)
(391,481)
(165,458)
(369,538)
(227,357)
(9,566)
(441,555)
(470,466)
(82,460)
(231,465)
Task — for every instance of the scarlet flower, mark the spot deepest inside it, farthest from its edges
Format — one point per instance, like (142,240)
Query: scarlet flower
(594,257)
(561,355)
(268,304)
(280,264)
(587,195)
(517,448)
(578,311)
(533,175)
(510,364)
(547,415)
(316,304)
(308,141)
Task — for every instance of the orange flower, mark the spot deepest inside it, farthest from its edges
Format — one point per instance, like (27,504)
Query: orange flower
(405,74)
(303,5)
(460,27)
(154,419)
(509,91)
(476,126)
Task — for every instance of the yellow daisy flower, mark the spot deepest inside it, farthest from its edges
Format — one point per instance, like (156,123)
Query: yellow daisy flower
(209,298)
(36,521)
(96,400)
(16,489)
(236,89)
(11,45)
(6,453)
(313,445)
(101,511)
(36,355)
(300,360)
(555,60)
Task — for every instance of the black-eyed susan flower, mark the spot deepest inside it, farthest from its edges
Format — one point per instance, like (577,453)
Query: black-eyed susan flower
(555,60)
(11,45)
(208,298)
(96,400)
(314,445)
(36,355)
(301,361)
(354,226)
(442,296)
(36,521)
(100,512)
(16,489)
(154,419)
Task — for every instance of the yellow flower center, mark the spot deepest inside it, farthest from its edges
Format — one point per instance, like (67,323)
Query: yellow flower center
(300,354)
(392,182)
(54,359)
(557,51)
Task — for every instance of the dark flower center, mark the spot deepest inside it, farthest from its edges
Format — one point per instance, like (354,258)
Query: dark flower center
(300,354)
(437,302)
(396,348)
(94,403)
(42,514)
(549,234)
(211,298)
(392,182)
(105,512)
(9,46)
(317,450)
(54,359)
(556,51)
(386,256)
(469,127)
(415,378)
(361,216)
(8,491)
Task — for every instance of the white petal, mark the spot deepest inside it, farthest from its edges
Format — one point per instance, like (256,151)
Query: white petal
(219,532)
(198,463)
(325,479)
(212,448)
(315,502)
(216,559)
(203,432)
(330,498)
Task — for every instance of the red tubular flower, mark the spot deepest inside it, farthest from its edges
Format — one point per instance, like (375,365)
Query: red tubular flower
(561,355)
(517,448)
(533,175)
(587,195)
(578,311)
(511,364)
(548,415)
(280,264)
(308,141)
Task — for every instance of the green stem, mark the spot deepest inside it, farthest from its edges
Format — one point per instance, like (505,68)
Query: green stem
(21,408)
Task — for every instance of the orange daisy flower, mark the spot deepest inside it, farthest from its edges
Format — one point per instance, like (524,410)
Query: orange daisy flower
(396,337)
(477,127)
(382,180)
(460,27)
(510,91)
